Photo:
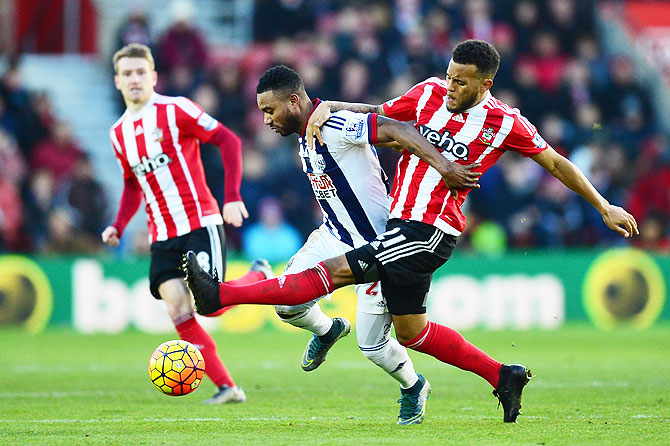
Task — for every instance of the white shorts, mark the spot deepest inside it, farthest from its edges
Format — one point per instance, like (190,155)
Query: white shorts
(322,245)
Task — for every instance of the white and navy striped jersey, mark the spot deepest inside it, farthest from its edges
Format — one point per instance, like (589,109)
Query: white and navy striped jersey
(348,181)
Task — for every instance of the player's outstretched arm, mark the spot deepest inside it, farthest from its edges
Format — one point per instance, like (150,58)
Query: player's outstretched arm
(455,175)
(616,218)
(322,113)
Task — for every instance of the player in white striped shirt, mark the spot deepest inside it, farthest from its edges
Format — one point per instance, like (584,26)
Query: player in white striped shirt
(352,191)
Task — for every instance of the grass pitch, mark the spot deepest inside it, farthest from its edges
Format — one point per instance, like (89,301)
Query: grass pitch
(589,387)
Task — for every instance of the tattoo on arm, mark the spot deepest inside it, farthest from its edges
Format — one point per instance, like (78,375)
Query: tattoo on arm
(355,107)
(403,131)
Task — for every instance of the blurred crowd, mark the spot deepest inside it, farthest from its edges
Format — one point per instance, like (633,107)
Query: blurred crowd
(50,200)
(589,107)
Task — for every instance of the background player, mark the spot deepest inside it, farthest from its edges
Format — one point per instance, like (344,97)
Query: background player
(156,144)
(460,117)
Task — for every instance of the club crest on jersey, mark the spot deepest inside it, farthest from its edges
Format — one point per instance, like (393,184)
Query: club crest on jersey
(487,136)
(319,163)
(158,134)
(355,128)
(445,142)
(147,165)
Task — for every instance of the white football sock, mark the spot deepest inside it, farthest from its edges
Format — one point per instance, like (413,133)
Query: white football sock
(313,319)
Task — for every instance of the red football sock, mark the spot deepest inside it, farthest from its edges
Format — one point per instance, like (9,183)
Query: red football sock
(449,346)
(289,289)
(248,278)
(190,330)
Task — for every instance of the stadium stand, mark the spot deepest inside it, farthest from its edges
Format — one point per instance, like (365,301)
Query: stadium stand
(593,101)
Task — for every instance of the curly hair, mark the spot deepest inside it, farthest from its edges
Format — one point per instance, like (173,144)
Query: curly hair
(479,53)
(280,79)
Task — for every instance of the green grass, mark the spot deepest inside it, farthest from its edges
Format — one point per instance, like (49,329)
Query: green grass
(590,387)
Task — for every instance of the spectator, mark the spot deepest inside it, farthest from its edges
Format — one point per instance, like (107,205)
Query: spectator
(287,17)
(85,197)
(650,193)
(654,234)
(231,105)
(11,213)
(135,29)
(37,196)
(526,23)
(8,119)
(626,106)
(57,154)
(182,52)
(35,123)
(271,238)
(547,60)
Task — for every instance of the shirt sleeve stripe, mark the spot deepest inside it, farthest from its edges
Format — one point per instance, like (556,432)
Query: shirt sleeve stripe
(372,128)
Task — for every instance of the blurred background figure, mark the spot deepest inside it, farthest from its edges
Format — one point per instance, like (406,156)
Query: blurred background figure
(271,237)
(182,51)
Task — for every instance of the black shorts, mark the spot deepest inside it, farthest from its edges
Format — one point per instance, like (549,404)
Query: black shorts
(208,243)
(403,258)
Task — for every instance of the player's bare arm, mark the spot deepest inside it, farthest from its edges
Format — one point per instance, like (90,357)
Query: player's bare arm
(455,175)
(615,217)
(322,113)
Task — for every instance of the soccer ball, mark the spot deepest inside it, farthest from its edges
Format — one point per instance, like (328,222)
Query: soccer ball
(176,367)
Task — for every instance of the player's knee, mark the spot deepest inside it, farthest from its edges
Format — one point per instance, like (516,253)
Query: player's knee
(178,306)
(339,271)
(409,326)
(386,355)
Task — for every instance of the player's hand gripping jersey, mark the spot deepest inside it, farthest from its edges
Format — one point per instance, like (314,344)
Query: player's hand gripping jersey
(348,181)
(480,134)
(159,147)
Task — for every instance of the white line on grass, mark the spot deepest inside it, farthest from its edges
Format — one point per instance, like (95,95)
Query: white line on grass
(285,419)
(171,420)
(66,368)
(57,394)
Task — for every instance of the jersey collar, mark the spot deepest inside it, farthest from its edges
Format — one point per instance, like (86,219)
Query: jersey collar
(315,104)
(480,105)
(138,113)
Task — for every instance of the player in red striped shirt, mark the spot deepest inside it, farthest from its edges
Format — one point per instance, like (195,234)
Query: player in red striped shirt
(156,143)
(460,118)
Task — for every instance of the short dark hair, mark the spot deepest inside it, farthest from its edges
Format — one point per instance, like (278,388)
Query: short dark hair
(281,79)
(479,53)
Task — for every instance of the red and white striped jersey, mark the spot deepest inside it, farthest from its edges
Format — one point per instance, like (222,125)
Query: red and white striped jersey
(480,134)
(159,146)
